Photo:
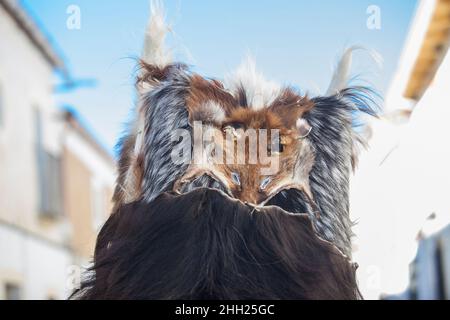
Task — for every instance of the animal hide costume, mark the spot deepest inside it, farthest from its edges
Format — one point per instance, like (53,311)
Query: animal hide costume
(224,230)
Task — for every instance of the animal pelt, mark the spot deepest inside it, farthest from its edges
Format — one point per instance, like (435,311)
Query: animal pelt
(180,230)
(333,143)
(206,245)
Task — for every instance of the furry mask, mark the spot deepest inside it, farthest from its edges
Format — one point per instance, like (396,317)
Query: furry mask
(231,230)
(317,149)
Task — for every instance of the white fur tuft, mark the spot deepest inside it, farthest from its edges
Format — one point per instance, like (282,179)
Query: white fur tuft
(341,76)
(211,112)
(260,92)
(155,51)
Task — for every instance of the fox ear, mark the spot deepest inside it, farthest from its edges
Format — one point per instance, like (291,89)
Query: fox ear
(155,50)
(209,112)
(290,106)
(156,59)
(207,101)
(304,128)
(151,75)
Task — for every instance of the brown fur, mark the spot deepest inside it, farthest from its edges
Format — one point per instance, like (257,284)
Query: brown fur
(290,107)
(151,74)
(130,171)
(250,174)
(203,91)
(282,115)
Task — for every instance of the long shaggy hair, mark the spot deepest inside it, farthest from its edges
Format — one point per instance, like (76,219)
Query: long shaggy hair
(201,238)
(204,245)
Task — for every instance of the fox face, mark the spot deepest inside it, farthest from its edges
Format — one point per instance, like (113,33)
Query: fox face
(261,151)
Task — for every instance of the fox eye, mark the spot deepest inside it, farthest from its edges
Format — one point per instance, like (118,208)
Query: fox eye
(236,179)
(235,125)
(265,183)
(280,146)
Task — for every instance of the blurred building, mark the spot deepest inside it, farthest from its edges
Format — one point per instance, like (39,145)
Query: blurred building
(430,270)
(55,179)
(400,194)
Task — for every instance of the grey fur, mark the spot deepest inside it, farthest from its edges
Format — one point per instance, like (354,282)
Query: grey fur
(165,113)
(335,121)
(333,140)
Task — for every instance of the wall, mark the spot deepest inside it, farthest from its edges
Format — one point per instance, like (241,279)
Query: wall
(33,250)
(89,180)
(38,253)
(402,185)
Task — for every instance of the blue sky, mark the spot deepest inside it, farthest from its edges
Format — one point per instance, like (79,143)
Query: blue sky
(294,42)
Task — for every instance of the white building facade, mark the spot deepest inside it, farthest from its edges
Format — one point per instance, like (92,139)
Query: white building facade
(400,193)
(36,232)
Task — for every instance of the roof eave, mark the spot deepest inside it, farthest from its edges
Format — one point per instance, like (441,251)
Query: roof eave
(31,30)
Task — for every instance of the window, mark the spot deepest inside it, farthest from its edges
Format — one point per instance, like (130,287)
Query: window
(12,292)
(50,176)
(51,195)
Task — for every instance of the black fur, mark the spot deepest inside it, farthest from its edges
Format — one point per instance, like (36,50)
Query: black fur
(204,245)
